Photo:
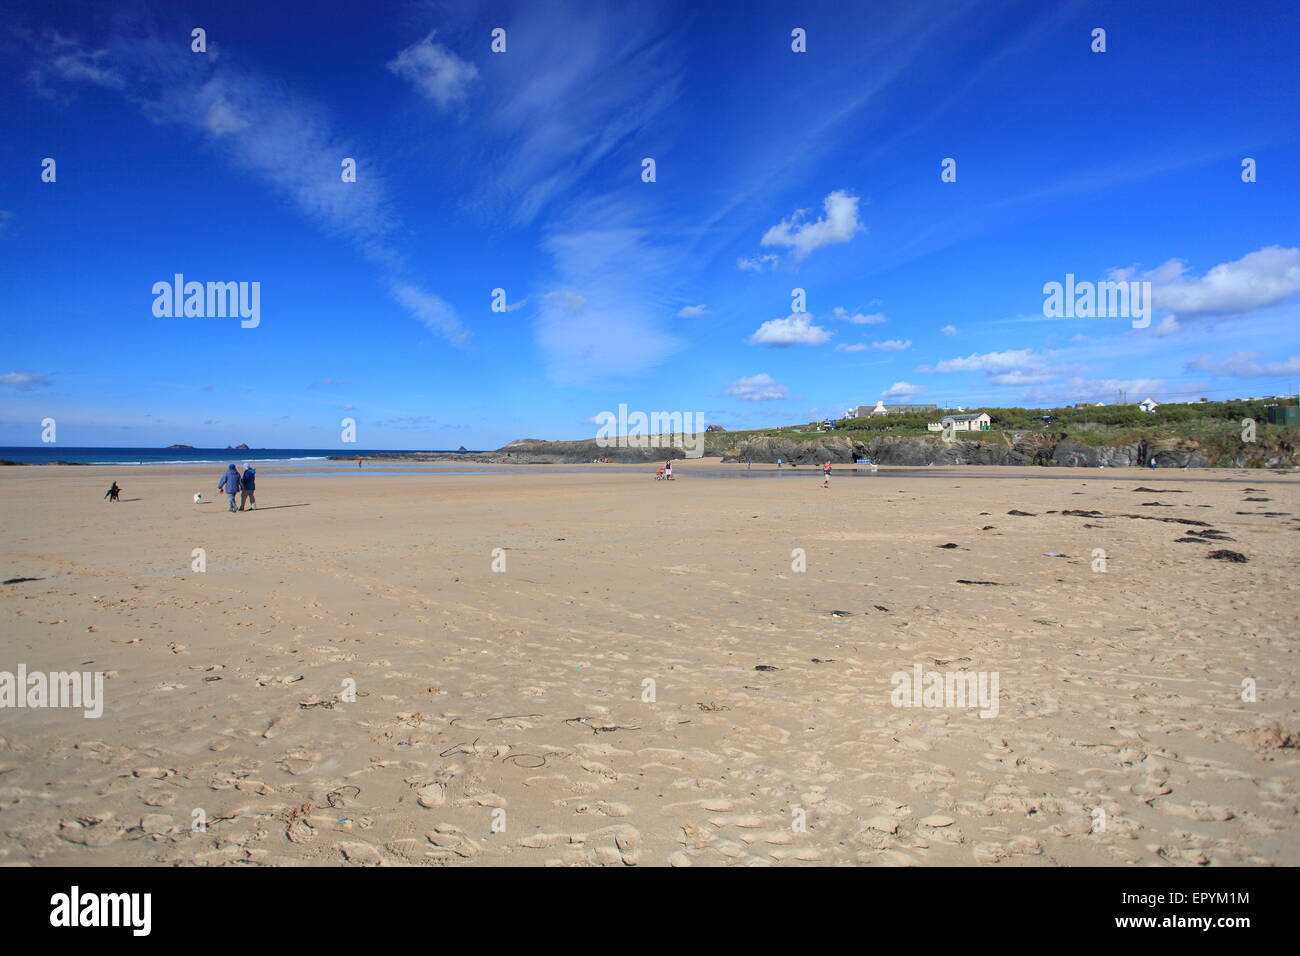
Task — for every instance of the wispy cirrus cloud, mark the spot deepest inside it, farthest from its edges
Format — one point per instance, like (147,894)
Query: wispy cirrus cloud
(1245,365)
(757,263)
(857,318)
(603,318)
(429,308)
(25,381)
(65,63)
(440,76)
(274,135)
(1106,390)
(551,117)
(545,123)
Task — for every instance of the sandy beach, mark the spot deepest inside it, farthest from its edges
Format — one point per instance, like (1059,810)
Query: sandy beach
(549,667)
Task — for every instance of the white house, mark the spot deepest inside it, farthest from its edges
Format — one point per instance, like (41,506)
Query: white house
(963,423)
(1149,405)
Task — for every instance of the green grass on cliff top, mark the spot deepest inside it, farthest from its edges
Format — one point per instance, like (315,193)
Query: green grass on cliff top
(1216,424)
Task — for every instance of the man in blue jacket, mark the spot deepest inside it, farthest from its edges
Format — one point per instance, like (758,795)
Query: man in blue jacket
(248,484)
(229,483)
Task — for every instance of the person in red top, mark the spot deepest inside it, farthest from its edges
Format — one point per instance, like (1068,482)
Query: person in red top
(826,475)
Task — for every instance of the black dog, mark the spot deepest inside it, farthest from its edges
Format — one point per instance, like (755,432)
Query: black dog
(113,492)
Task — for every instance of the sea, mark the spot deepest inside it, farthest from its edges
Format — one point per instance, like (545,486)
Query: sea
(43,454)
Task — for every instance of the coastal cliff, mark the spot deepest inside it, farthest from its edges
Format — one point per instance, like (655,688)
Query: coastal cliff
(1007,448)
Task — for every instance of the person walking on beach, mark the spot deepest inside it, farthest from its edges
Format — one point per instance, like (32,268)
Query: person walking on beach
(668,470)
(248,485)
(229,483)
(826,475)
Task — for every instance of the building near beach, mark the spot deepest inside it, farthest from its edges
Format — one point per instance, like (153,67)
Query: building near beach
(963,423)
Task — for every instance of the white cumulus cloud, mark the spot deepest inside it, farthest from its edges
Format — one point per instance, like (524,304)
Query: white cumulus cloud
(757,388)
(901,390)
(893,345)
(840,224)
(795,329)
(857,318)
(1258,279)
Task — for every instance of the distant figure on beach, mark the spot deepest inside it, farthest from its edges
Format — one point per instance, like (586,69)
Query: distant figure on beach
(826,475)
(668,470)
(248,485)
(749,464)
(229,483)
(778,464)
(113,492)
(1153,463)
(358,461)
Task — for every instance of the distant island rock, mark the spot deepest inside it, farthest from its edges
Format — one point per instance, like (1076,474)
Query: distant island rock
(239,447)
(462,449)
(179,448)
(715,428)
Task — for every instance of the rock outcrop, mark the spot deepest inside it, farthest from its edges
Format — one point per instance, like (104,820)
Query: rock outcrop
(1008,448)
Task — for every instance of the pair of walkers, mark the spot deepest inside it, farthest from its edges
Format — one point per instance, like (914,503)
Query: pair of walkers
(245,485)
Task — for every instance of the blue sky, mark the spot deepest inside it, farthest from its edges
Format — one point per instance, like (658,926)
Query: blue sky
(522,170)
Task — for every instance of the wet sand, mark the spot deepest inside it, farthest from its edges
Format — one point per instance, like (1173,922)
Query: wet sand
(597,700)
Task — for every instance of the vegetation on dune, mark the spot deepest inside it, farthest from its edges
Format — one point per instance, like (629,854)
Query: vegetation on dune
(1201,434)
(1216,424)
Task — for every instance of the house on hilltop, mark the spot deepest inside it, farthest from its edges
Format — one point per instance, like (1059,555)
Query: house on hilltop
(980,422)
